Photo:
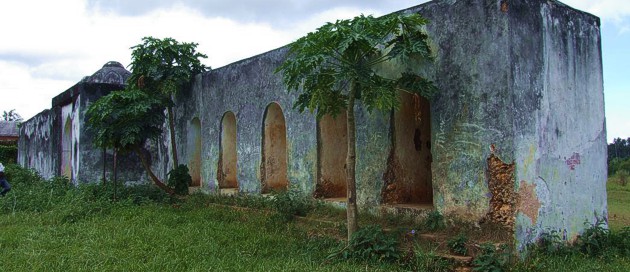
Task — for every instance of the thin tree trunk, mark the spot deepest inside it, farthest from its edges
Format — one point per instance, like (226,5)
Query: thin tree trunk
(104,165)
(352,211)
(115,171)
(153,177)
(171,126)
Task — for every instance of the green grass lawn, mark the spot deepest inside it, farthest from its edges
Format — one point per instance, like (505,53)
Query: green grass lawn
(618,205)
(50,226)
(163,238)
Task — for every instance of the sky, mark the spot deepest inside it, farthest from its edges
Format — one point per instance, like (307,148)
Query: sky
(48,46)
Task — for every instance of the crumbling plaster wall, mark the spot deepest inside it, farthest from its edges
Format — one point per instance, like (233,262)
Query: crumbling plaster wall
(473,107)
(40,145)
(35,144)
(559,122)
(246,88)
(502,68)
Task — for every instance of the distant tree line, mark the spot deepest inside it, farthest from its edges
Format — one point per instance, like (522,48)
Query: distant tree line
(618,156)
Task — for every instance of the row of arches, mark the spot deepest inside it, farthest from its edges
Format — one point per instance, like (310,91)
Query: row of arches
(274,151)
(408,177)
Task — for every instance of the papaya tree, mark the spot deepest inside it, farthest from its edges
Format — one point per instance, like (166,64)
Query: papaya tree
(124,120)
(339,64)
(162,68)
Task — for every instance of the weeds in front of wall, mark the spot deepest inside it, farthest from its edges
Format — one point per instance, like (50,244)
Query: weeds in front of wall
(179,179)
(491,258)
(458,244)
(291,203)
(434,221)
(369,244)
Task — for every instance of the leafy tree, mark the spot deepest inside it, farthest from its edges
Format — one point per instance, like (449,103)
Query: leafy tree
(162,68)
(339,63)
(123,120)
(619,148)
(11,116)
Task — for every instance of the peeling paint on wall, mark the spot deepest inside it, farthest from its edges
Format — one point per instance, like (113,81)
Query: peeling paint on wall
(528,202)
(503,196)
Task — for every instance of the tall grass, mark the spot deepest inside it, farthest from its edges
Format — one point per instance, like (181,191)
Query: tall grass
(54,226)
(51,225)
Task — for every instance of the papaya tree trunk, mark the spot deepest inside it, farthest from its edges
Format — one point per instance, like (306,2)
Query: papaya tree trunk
(115,171)
(153,177)
(104,166)
(171,127)
(352,211)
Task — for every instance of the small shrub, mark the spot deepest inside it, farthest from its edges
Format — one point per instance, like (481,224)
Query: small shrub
(291,203)
(551,243)
(622,177)
(621,241)
(492,259)
(179,179)
(457,244)
(434,221)
(370,243)
(594,241)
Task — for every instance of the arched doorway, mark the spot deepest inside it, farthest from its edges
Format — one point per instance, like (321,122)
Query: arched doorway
(274,150)
(66,149)
(226,174)
(408,176)
(332,148)
(194,152)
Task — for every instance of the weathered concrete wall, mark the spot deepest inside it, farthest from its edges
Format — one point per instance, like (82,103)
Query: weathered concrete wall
(516,133)
(56,142)
(246,88)
(559,123)
(35,144)
(501,67)
(472,109)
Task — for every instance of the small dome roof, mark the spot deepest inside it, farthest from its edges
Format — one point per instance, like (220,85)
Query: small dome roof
(112,72)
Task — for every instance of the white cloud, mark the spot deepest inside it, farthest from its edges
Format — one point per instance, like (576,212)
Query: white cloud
(605,9)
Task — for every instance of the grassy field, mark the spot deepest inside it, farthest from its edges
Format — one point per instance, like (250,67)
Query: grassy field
(618,205)
(163,238)
(50,226)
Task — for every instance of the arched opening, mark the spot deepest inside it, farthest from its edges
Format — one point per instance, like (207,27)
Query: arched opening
(194,152)
(226,174)
(408,175)
(66,149)
(332,147)
(274,150)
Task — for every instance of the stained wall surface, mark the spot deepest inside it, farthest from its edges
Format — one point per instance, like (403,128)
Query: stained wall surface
(332,143)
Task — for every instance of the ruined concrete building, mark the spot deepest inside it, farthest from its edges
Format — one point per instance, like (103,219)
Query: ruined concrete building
(516,133)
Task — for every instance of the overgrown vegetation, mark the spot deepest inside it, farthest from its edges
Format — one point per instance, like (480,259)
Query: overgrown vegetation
(52,225)
(340,63)
(619,160)
(124,120)
(458,244)
(8,153)
(179,179)
(163,68)
(434,221)
(291,203)
(492,259)
(370,244)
